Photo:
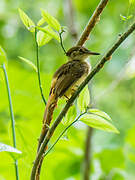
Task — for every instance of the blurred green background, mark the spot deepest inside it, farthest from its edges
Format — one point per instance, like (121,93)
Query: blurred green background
(112,156)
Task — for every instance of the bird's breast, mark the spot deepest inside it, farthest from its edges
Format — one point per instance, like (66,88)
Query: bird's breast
(75,85)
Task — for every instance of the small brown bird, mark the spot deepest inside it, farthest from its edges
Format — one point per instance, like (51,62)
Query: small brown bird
(70,75)
(65,81)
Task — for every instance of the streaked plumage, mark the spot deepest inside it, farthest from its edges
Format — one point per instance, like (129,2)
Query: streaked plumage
(71,74)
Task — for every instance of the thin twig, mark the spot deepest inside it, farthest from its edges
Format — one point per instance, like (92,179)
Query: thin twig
(61,41)
(63,133)
(38,68)
(95,70)
(12,117)
(92,22)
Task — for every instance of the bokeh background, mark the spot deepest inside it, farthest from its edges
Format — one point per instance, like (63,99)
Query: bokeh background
(113,91)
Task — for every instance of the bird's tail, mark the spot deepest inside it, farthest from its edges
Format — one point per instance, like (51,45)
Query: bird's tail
(51,104)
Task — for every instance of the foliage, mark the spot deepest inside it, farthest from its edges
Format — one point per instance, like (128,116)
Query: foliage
(28,62)
(51,20)
(98,122)
(27,21)
(4,147)
(82,102)
(48,32)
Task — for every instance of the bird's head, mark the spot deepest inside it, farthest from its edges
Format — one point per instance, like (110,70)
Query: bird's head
(79,53)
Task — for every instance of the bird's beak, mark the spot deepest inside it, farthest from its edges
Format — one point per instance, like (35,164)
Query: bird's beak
(92,53)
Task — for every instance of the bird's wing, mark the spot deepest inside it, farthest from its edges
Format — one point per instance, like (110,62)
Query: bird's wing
(66,76)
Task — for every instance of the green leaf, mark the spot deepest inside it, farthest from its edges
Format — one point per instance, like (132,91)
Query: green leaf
(98,122)
(7,148)
(28,62)
(83,99)
(3,58)
(70,116)
(129,17)
(100,113)
(27,21)
(123,17)
(41,22)
(43,38)
(51,20)
(47,29)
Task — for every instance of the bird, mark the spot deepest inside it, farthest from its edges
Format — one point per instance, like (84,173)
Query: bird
(65,82)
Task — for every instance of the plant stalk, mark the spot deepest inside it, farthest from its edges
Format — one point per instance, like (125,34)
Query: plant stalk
(62,133)
(12,117)
(38,68)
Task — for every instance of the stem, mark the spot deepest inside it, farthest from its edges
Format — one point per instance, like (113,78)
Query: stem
(12,117)
(95,70)
(40,164)
(38,67)
(61,41)
(63,133)
(87,158)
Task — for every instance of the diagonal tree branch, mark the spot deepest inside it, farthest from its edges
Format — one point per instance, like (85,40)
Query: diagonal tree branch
(92,22)
(95,70)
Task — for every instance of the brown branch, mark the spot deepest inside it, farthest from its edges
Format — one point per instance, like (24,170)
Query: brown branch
(87,154)
(92,22)
(48,115)
(51,104)
(95,70)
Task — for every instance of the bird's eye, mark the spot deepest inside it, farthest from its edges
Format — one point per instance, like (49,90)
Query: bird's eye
(80,50)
